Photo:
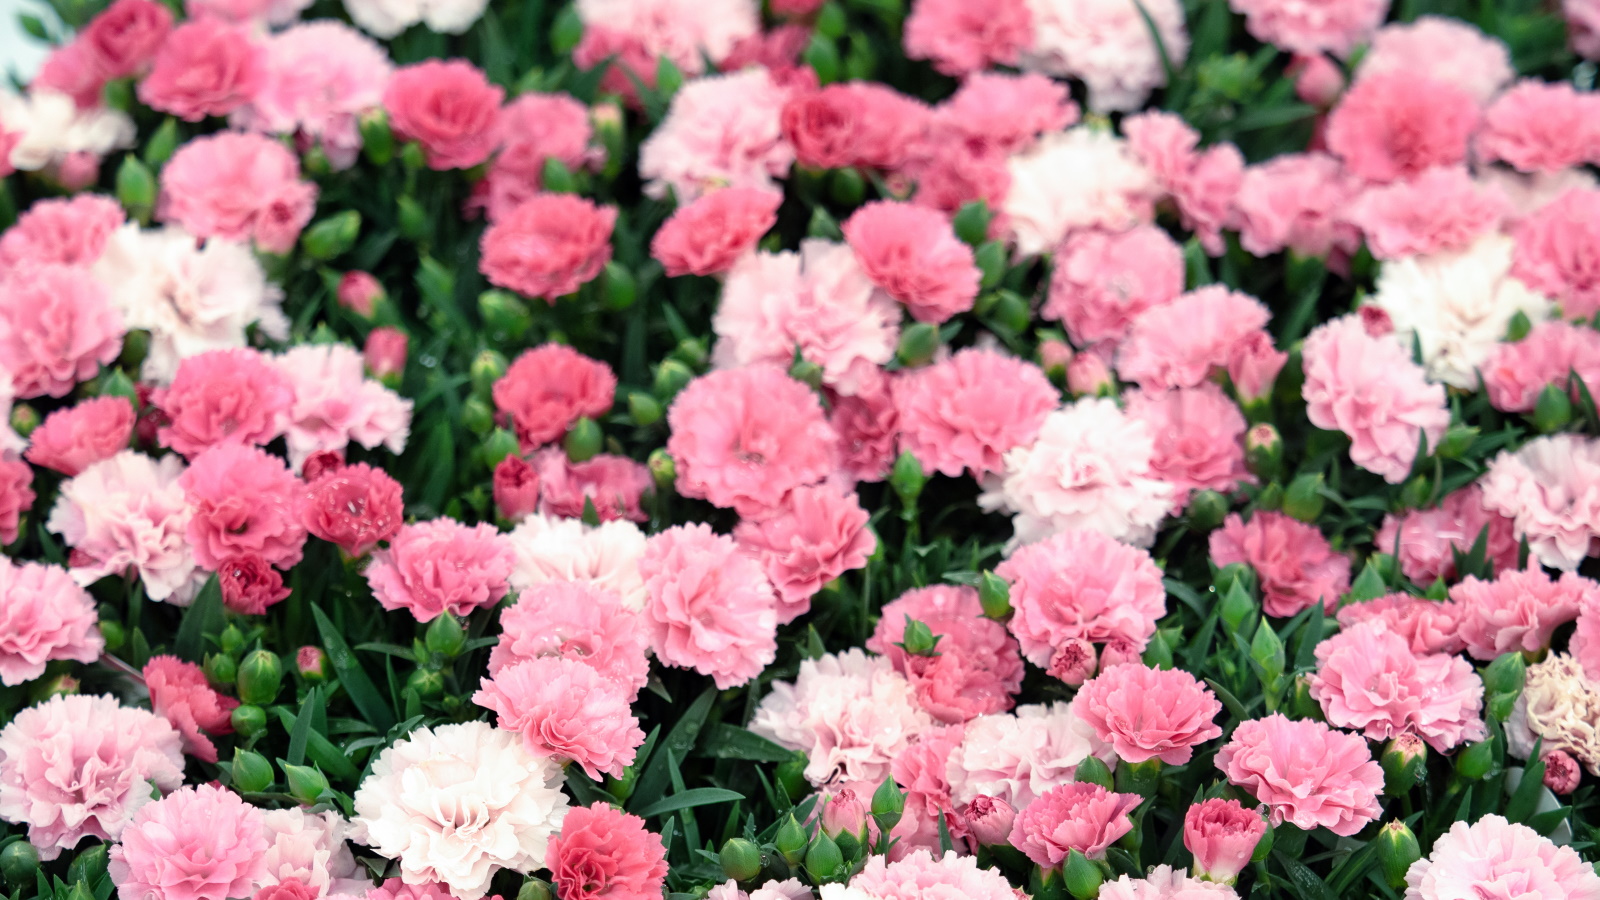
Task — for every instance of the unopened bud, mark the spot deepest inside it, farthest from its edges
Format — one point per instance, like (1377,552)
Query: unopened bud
(535,889)
(1476,760)
(1553,410)
(918,344)
(359,292)
(1263,451)
(907,479)
(741,859)
(385,355)
(248,720)
(477,415)
(260,677)
(24,419)
(377,141)
(428,683)
(791,841)
(505,314)
(251,772)
(231,639)
(1093,770)
(643,409)
(671,377)
(1074,662)
(662,468)
(1206,510)
(311,663)
(919,639)
(888,803)
(1082,877)
(332,236)
(1404,761)
(306,784)
(1561,774)
(994,593)
(1303,498)
(971,222)
(445,636)
(990,820)
(19,864)
(824,861)
(1397,850)
(1089,376)
(221,669)
(583,440)
(488,367)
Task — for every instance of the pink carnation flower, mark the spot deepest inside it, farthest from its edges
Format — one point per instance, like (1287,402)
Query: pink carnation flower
(578,622)
(335,405)
(920,876)
(244,501)
(1147,713)
(961,38)
(449,107)
(1199,436)
(1518,372)
(129,513)
(223,396)
(720,131)
(308,849)
(242,187)
(69,230)
(605,854)
(75,437)
(319,78)
(1109,45)
(516,488)
(1427,626)
(1180,343)
(1427,539)
(920,771)
(77,766)
(1201,184)
(1102,281)
(16,496)
(197,843)
(1166,883)
(546,389)
(1337,26)
(1295,563)
(1550,489)
(1396,125)
(1494,855)
(123,38)
(1083,585)
(744,438)
(206,67)
(966,412)
(1223,836)
(180,694)
(565,709)
(44,616)
(1443,49)
(1540,126)
(57,327)
(354,506)
(441,566)
(1438,210)
(684,31)
(1296,201)
(548,246)
(613,485)
(914,254)
(1369,680)
(534,130)
(1305,772)
(868,428)
(1001,113)
(250,586)
(1017,757)
(819,534)
(1369,388)
(1583,26)
(1519,610)
(1558,252)
(710,608)
(710,234)
(857,123)
(1080,816)
(976,669)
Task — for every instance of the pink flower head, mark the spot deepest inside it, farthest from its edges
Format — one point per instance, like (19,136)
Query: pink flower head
(710,608)
(534,129)
(44,616)
(71,71)
(1548,488)
(1369,388)
(179,693)
(74,437)
(197,843)
(1396,125)
(359,291)
(605,854)
(989,819)
(859,123)
(1493,855)
(1519,610)
(397,889)
(1253,367)
(1583,26)
(818,534)
(1202,184)
(1368,680)
(1561,772)
(57,327)
(1103,280)
(1147,713)
(744,438)
(1540,126)
(686,32)
(996,112)
(721,131)
(975,669)
(1022,755)
(1337,26)
(319,78)
(516,488)
(565,709)
(707,236)
(77,766)
(354,506)
(1180,343)
(1165,883)
(548,246)
(1427,626)
(127,513)
(1199,437)
(1557,255)
(244,501)
(441,566)
(1438,210)
(548,388)
(1296,201)
(1119,52)
(1223,836)
(868,428)
(1318,80)
(921,875)
(613,484)
(1517,373)
(1080,816)
(1443,49)
(205,67)
(951,173)
(1295,563)
(1305,772)
(1081,585)
(1427,539)
(1585,645)
(449,107)
(1050,195)
(288,889)
(384,353)
(919,770)
(961,38)
(69,230)
(249,585)
(967,411)
(123,38)
(223,396)
(913,253)
(575,621)
(16,496)
(241,187)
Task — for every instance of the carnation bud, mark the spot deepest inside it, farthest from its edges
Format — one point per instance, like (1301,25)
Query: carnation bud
(445,636)
(306,784)
(995,595)
(556,178)
(1561,774)
(505,314)
(1089,376)
(692,353)
(1506,674)
(847,187)
(248,720)
(19,864)
(516,484)
(1303,498)
(221,669)
(88,866)
(231,639)
(919,639)
(359,292)
(410,216)
(1206,510)
(1404,762)
(671,377)
(24,419)
(260,677)
(618,286)
(136,188)
(312,663)
(59,686)
(608,122)
(251,773)
(535,889)
(991,260)
(112,633)
(1054,356)
(332,236)
(990,819)
(163,141)
(643,409)
(428,683)
(662,468)
(1119,651)
(888,803)
(1082,877)
(807,373)
(583,440)
(1010,311)
(843,814)
(791,841)
(971,222)
(488,367)
(823,860)
(907,479)
(741,859)
(385,355)
(1266,648)
(315,161)
(413,157)
(377,141)
(1237,606)
(1476,760)
(918,344)
(1317,79)
(1046,884)
(1074,662)
(1397,850)
(1093,770)
(477,415)
(1263,451)
(1553,411)
(1457,440)
(1140,778)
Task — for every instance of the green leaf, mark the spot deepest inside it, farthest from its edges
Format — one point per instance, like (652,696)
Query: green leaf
(1546,822)
(687,800)
(363,693)
(1302,881)
(1369,585)
(1235,708)
(302,727)
(1525,798)
(723,741)
(678,742)
(321,751)
(203,617)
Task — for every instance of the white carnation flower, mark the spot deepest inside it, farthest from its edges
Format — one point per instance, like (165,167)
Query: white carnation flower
(387,18)
(1020,756)
(1107,45)
(52,127)
(1081,178)
(556,549)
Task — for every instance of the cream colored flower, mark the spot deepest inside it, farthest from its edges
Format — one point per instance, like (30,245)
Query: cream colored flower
(1561,705)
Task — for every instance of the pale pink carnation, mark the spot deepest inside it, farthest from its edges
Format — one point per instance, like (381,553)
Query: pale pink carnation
(244,501)
(1080,178)
(1181,343)
(69,230)
(1166,883)
(255,13)
(966,412)
(1369,680)
(976,669)
(1518,610)
(242,187)
(565,709)
(1017,757)
(180,693)
(335,405)
(744,438)
(1583,26)
(129,513)
(16,497)
(578,622)
(1079,816)
(548,246)
(1081,585)
(548,388)
(1222,835)
(1295,563)
(1440,209)
(1585,644)
(1147,713)
(1305,772)
(75,437)
(1202,184)
(1253,367)
(913,254)
(997,112)
(1426,539)
(441,566)
(788,889)
(920,771)
(1109,45)
(318,79)
(1540,126)
(1518,372)
(77,766)
(1336,26)
(710,234)
(1199,437)
(710,608)
(534,129)
(1396,125)
(57,327)
(206,67)
(1103,280)
(684,31)
(950,172)
(1318,80)
(1444,49)
(959,38)
(223,396)
(310,848)
(1428,626)
(1558,252)
(44,616)
(613,485)
(1494,856)
(449,107)
(921,876)
(1296,201)
(603,853)
(720,131)
(818,534)
(197,843)
(1550,489)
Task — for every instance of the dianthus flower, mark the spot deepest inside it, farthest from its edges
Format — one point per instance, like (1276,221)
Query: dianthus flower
(44,616)
(441,566)
(1493,854)
(1369,680)
(1518,610)
(223,396)
(1017,757)
(1550,489)
(566,710)
(968,411)
(548,388)
(548,245)
(1305,772)
(819,534)
(1080,816)
(1295,563)
(578,622)
(197,843)
(605,854)
(1147,713)
(1102,281)
(710,608)
(975,668)
(1083,585)
(1181,343)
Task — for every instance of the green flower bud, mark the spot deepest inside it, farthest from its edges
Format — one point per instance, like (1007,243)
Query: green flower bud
(163,141)
(477,415)
(692,353)
(846,187)
(1303,498)
(59,686)
(918,343)
(1397,850)
(888,804)
(1553,411)
(1011,312)
(332,236)
(249,720)
(411,217)
(991,260)
(824,860)
(1416,492)
(1266,648)
(260,676)
(1263,451)
(306,784)
(1237,605)
(1082,877)
(535,889)
(413,157)
(1139,778)
(972,222)
(112,633)
(618,286)
(1206,510)
(557,178)
(1404,762)
(1476,761)
(19,863)
(791,841)
(995,595)
(741,859)
(231,639)
(315,161)
(807,373)
(221,669)
(643,409)
(1457,440)
(505,313)
(252,772)
(428,683)
(907,479)
(89,865)
(583,440)
(662,469)
(445,636)
(919,639)
(1506,674)
(671,377)
(136,188)
(1093,770)
(487,367)
(377,141)
(498,445)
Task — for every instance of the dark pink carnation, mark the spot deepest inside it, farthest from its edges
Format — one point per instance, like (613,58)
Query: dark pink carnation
(1427,540)
(1440,209)
(534,129)
(1428,626)
(67,230)
(708,235)
(74,437)
(179,693)
(516,488)
(818,534)
(976,669)
(913,254)
(1076,816)
(1369,680)
(244,187)
(1296,201)
(579,622)
(854,124)
(1295,563)
(1147,713)
(613,484)
(441,566)
(1199,437)
(57,327)
(965,412)
(1103,280)
(223,396)
(565,709)
(244,501)
(355,506)
(960,37)
(1558,252)
(1396,125)
(206,67)
(1305,772)
(548,388)
(605,854)
(123,39)
(548,246)
(449,107)
(249,585)
(1518,610)
(709,606)
(1082,585)
(1541,126)
(920,771)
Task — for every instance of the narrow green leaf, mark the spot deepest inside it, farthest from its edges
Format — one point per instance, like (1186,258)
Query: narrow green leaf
(688,799)
(678,742)
(1304,882)
(1525,798)
(204,616)
(723,741)
(302,727)
(363,693)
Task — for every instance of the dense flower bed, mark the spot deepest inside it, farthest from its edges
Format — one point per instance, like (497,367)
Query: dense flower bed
(848,450)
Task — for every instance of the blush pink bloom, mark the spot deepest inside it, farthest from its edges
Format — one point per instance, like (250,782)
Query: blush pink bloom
(1079,816)
(548,246)
(1558,252)
(359,291)
(567,710)
(1550,489)
(77,766)
(1000,113)
(1253,367)
(744,438)
(605,854)
(1295,563)
(709,235)
(1540,126)
(180,694)
(441,566)
(535,129)
(75,437)
(1296,201)
(1396,125)
(818,534)
(243,187)
(1199,437)
(548,388)
(1369,681)
(318,78)
(1202,184)
(977,668)
(949,172)
(1147,713)
(16,497)
(858,123)
(197,843)
(1428,626)
(72,231)
(921,875)
(1181,343)
(1438,210)
(721,131)
(575,621)
(1223,836)
(128,513)
(44,616)
(307,854)
(516,488)
(614,485)
(1081,585)
(1444,49)
(1518,372)
(244,501)
(206,67)
(1050,196)
(384,353)
(223,396)
(1103,280)
(1305,772)
(1336,26)
(868,429)
(919,770)
(709,606)
(1369,388)
(123,39)
(355,506)
(1518,610)
(1019,756)
(71,71)
(249,586)
(913,253)
(1494,855)
(57,327)
(966,412)
(1583,26)
(1165,883)
(449,107)
(961,38)
(1426,539)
